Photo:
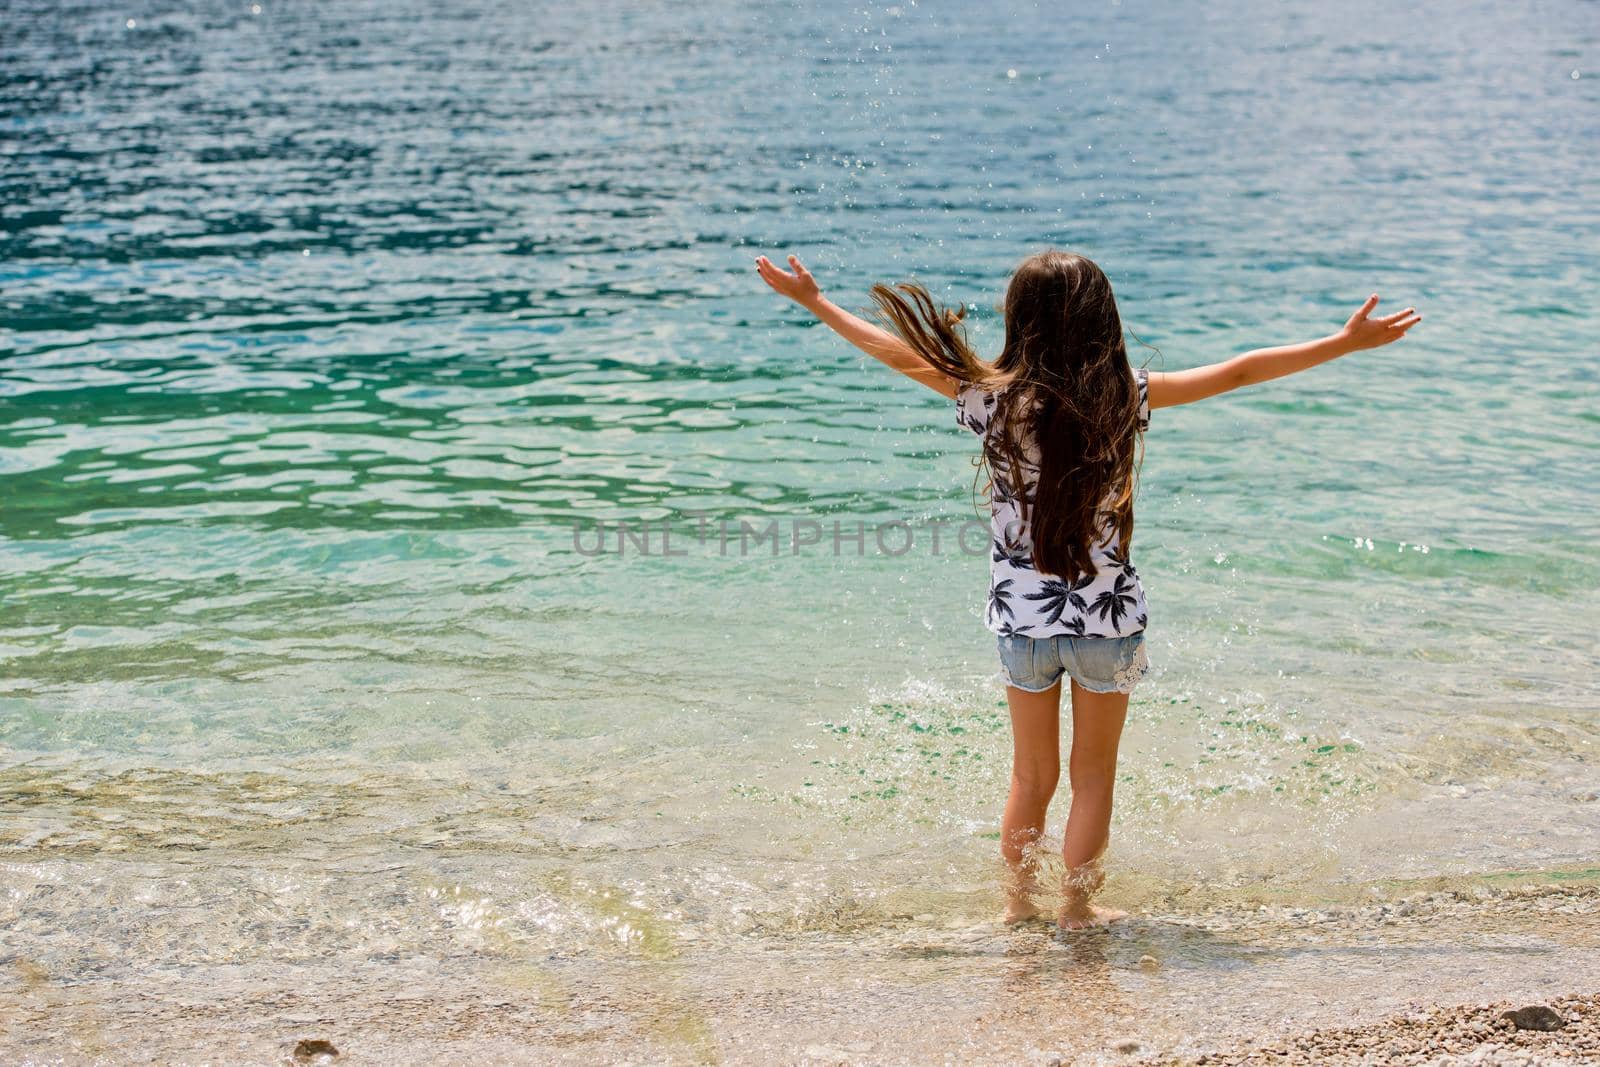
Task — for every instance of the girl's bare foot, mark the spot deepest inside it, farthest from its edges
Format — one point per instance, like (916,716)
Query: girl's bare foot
(1020,909)
(1020,883)
(1086,916)
(1078,887)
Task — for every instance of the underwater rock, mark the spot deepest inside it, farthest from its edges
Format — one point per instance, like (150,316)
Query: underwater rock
(1149,963)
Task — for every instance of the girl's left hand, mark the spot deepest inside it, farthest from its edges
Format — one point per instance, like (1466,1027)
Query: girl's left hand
(800,286)
(1364,332)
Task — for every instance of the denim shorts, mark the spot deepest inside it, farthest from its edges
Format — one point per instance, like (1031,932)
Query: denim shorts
(1099,664)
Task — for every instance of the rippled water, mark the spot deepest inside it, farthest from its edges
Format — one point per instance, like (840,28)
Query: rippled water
(325,330)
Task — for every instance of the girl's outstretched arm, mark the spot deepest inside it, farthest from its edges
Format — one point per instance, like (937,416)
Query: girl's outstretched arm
(876,342)
(1263,364)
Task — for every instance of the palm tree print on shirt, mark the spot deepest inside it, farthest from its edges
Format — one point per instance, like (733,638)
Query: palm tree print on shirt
(1057,596)
(1116,601)
(1000,599)
(1015,551)
(1005,629)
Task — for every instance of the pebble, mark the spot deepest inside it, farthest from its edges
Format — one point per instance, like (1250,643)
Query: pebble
(1535,1017)
(314,1050)
(1149,963)
(1126,1045)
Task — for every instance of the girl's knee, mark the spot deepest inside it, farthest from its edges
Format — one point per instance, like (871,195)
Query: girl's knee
(1095,782)
(1035,783)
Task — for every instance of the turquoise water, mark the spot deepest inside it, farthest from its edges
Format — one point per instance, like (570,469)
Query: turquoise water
(323,332)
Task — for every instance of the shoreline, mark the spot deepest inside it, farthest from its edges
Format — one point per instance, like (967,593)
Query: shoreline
(1234,985)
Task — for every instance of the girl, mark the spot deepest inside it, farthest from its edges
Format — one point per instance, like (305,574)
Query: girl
(1059,415)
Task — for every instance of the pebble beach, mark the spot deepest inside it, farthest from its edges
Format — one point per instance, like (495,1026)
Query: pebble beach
(1565,1031)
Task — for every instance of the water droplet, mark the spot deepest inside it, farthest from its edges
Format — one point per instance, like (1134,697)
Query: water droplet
(132,23)
(1012,73)
(255,9)
(305,251)
(1576,75)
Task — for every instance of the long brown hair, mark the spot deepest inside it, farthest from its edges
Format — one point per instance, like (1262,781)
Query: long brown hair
(1063,379)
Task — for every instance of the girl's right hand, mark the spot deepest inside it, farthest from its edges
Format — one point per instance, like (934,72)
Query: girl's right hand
(1361,332)
(800,286)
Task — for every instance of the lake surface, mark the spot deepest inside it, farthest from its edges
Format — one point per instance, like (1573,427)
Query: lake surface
(332,337)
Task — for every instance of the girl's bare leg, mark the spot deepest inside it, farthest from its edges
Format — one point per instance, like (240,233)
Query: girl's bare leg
(1097,720)
(1035,769)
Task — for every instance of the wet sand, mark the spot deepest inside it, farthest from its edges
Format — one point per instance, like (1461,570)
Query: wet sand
(1226,983)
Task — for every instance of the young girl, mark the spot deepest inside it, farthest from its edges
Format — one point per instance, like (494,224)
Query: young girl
(1059,414)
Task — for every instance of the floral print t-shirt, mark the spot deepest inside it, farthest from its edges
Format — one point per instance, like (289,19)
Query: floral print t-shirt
(1027,603)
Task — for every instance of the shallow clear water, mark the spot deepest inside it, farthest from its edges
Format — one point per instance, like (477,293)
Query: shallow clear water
(328,336)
